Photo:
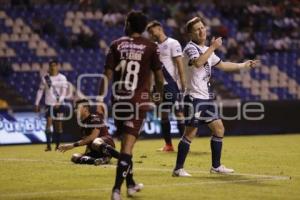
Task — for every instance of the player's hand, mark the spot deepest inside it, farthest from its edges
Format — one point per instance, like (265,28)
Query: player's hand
(252,63)
(37,109)
(216,43)
(65,147)
(56,106)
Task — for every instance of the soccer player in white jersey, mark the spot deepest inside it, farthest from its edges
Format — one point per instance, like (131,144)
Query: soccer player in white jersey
(174,85)
(54,84)
(200,61)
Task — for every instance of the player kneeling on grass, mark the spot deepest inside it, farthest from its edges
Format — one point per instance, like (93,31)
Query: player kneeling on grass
(100,147)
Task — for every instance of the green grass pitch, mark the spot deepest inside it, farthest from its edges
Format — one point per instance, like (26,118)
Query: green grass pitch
(267,167)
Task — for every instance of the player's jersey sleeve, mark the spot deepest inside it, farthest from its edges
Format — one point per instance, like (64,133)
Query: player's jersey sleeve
(42,85)
(191,52)
(64,82)
(215,60)
(111,58)
(156,63)
(176,49)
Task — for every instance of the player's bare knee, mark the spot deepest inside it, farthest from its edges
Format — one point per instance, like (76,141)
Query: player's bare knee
(219,131)
(97,143)
(190,133)
(76,157)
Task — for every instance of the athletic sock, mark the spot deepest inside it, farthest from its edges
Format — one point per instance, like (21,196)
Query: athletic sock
(183,150)
(57,136)
(216,150)
(123,168)
(166,131)
(107,149)
(48,134)
(129,177)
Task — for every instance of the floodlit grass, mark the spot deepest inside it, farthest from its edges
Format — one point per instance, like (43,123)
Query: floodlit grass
(27,172)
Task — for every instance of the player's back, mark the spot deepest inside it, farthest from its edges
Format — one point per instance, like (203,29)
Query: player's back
(132,59)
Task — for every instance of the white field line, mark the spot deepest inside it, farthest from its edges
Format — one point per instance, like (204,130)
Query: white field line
(150,169)
(257,178)
(22,194)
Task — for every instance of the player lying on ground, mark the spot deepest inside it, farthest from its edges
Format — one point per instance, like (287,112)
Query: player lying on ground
(100,147)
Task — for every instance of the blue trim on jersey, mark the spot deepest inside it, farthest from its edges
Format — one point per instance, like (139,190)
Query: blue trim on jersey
(167,76)
(195,45)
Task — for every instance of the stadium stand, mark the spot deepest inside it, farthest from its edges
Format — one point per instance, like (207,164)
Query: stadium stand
(77,35)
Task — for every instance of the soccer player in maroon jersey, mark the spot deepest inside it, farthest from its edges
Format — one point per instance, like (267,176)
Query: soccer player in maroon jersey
(100,147)
(130,62)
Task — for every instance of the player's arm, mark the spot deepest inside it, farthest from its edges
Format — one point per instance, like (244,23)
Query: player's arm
(230,66)
(176,52)
(156,66)
(179,64)
(85,141)
(63,91)
(108,74)
(110,63)
(159,82)
(202,59)
(39,95)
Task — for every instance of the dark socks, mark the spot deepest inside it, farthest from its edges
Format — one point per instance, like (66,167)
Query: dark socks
(129,177)
(107,149)
(183,150)
(48,138)
(166,131)
(57,136)
(123,168)
(216,149)
(181,127)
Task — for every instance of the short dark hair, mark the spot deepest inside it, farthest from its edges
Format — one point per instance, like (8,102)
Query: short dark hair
(53,62)
(85,103)
(152,24)
(137,21)
(189,25)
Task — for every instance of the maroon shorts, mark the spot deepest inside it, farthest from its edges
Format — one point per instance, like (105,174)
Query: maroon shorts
(132,125)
